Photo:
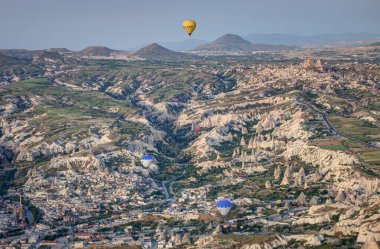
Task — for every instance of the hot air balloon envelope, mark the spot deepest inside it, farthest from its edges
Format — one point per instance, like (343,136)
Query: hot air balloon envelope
(189,26)
(224,206)
(146,160)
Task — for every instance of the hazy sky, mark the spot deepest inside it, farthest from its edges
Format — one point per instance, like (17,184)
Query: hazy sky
(122,24)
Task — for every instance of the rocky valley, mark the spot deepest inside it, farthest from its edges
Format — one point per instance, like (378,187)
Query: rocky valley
(290,137)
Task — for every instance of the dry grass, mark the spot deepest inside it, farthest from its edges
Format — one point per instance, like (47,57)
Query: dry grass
(208,218)
(326,142)
(247,239)
(115,247)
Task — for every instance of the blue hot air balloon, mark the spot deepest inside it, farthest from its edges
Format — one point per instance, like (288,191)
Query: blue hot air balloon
(146,160)
(224,206)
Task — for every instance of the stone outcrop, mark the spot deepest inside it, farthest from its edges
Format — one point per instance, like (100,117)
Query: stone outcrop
(274,242)
(285,181)
(307,239)
(312,64)
(277,173)
(218,230)
(371,243)
(301,199)
(186,239)
(287,205)
(314,200)
(329,201)
(325,218)
(209,227)
(341,196)
(205,240)
(268,185)
(300,178)
(317,175)
(204,145)
(243,144)
(370,227)
(337,166)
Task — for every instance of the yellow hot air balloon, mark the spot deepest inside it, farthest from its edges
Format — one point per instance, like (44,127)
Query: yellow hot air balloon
(189,26)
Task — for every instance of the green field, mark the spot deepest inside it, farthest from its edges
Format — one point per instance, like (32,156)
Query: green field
(168,92)
(335,147)
(356,128)
(62,112)
(371,157)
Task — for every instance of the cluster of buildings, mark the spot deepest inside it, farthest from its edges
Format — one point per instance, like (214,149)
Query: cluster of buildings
(70,197)
(12,217)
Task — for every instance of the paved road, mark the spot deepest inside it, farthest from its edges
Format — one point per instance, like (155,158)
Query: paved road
(169,192)
(330,126)
(167,196)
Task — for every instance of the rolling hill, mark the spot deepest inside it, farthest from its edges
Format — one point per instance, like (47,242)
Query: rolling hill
(9,60)
(228,42)
(231,43)
(96,51)
(48,56)
(59,50)
(155,51)
(20,53)
(314,40)
(375,44)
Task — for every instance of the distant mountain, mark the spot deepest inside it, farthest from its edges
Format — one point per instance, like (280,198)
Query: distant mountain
(59,50)
(96,51)
(269,47)
(156,52)
(375,44)
(275,39)
(189,44)
(19,56)
(345,39)
(20,53)
(9,60)
(48,56)
(228,42)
